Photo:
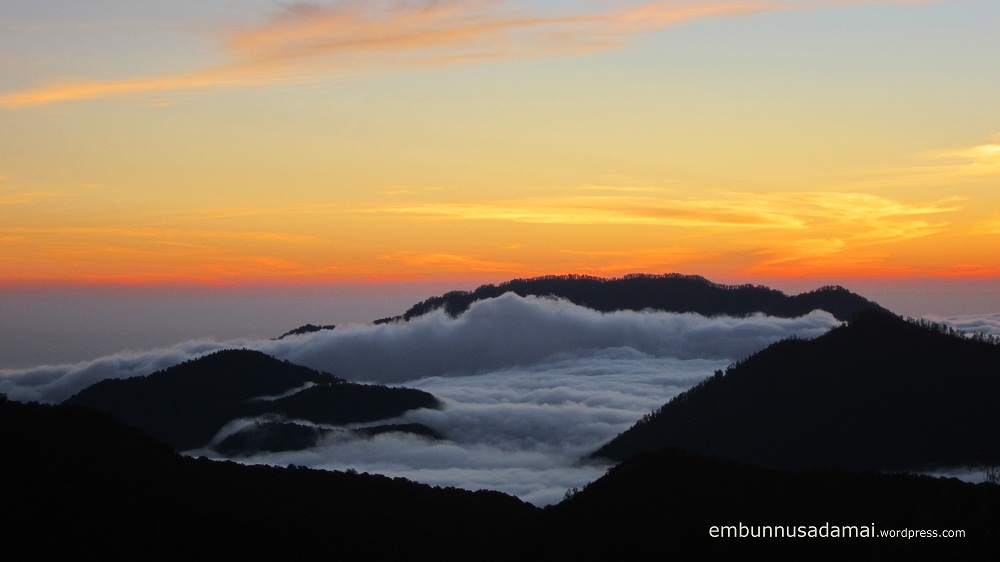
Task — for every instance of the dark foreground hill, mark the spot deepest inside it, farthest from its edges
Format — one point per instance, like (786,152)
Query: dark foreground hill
(668,293)
(670,505)
(75,481)
(878,393)
(187,404)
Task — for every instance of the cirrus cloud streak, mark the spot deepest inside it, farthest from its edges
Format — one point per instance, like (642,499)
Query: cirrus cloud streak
(307,41)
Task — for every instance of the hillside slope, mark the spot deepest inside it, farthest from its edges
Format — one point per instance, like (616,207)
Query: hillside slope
(77,481)
(668,503)
(878,393)
(187,404)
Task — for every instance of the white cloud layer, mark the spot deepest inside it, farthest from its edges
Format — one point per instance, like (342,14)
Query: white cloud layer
(530,384)
(510,330)
(983,323)
(521,430)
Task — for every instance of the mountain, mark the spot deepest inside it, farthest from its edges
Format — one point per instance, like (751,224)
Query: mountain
(288,436)
(306,329)
(674,505)
(877,393)
(669,293)
(74,480)
(187,404)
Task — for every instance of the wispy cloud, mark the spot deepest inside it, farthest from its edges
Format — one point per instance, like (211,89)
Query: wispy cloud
(981,160)
(967,164)
(25,197)
(65,90)
(847,228)
(451,262)
(405,190)
(791,232)
(989,226)
(215,214)
(164,233)
(617,262)
(626,189)
(144,254)
(307,41)
(880,216)
(582,210)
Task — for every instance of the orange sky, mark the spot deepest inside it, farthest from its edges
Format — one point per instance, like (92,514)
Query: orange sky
(484,140)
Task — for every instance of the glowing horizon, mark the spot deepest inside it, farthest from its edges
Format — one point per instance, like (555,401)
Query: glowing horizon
(344,142)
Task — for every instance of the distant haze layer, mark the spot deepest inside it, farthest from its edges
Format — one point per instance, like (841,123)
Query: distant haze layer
(68,325)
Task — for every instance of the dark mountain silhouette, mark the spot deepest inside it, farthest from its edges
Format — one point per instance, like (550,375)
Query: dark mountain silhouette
(408,428)
(187,404)
(877,393)
(345,402)
(74,480)
(667,503)
(306,329)
(269,437)
(669,293)
(288,436)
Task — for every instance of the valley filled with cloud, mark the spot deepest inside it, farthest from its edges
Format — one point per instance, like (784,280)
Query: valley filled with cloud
(530,385)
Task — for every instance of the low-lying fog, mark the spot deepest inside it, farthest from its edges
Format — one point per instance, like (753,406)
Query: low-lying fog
(530,385)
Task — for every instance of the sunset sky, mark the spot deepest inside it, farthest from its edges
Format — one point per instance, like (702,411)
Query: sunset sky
(252,142)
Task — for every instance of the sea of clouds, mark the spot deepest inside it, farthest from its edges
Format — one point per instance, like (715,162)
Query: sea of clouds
(988,324)
(530,385)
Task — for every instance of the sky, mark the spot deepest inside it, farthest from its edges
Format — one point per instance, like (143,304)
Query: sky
(218,172)
(265,143)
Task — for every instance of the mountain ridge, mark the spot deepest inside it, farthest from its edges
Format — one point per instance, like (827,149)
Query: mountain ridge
(274,436)
(672,292)
(187,404)
(876,393)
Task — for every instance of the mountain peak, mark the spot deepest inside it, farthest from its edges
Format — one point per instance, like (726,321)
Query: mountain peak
(672,292)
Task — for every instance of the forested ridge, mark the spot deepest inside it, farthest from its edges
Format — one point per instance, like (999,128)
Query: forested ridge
(187,404)
(668,293)
(76,481)
(879,392)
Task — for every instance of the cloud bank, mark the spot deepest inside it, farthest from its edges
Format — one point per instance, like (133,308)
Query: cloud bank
(520,430)
(988,324)
(495,334)
(530,384)
(514,331)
